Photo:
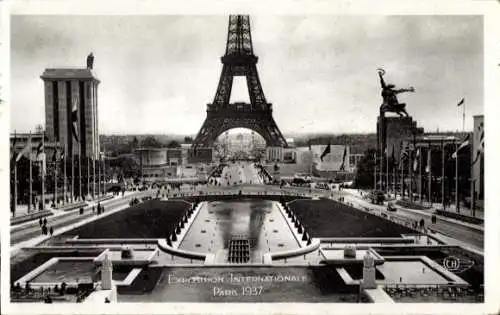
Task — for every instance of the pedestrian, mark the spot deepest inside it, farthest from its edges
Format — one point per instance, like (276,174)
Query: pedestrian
(81,210)
(51,231)
(40,222)
(44,230)
(93,209)
(44,221)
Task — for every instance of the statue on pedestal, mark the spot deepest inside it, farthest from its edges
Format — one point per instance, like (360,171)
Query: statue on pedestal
(107,274)
(369,271)
(90,61)
(390,99)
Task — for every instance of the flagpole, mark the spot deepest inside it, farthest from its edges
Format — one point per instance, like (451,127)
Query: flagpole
(463,117)
(386,169)
(375,172)
(429,165)
(457,203)
(14,158)
(31,175)
(55,177)
(420,175)
(79,171)
(65,182)
(99,174)
(93,174)
(104,172)
(442,173)
(410,172)
(43,171)
(65,164)
(72,171)
(393,177)
(402,189)
(87,164)
(15,186)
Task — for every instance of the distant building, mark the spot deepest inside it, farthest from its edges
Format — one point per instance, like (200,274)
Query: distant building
(71,96)
(154,164)
(158,164)
(21,140)
(333,160)
(200,155)
(274,154)
(354,159)
(398,129)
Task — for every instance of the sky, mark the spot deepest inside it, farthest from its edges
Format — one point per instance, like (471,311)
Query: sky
(158,73)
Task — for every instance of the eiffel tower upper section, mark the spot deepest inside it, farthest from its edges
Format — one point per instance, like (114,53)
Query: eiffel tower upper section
(239,60)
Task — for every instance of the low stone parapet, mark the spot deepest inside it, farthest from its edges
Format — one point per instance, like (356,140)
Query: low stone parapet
(30,217)
(315,243)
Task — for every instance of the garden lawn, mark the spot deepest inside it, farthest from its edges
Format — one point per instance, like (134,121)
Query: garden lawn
(328,218)
(149,219)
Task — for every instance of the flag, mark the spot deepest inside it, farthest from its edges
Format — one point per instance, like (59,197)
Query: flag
(464,143)
(43,164)
(26,149)
(478,155)
(54,157)
(461,102)
(40,150)
(415,161)
(480,148)
(327,150)
(404,154)
(393,157)
(74,118)
(342,166)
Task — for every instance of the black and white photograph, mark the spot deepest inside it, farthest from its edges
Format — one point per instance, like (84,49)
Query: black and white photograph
(297,163)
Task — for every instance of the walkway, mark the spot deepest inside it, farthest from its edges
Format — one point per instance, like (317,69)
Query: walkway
(30,234)
(468,233)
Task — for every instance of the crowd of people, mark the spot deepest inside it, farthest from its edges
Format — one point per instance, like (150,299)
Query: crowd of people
(44,228)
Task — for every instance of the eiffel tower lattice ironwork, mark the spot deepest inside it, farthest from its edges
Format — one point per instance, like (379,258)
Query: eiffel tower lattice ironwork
(239,60)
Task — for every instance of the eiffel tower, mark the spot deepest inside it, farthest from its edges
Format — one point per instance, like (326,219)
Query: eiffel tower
(239,60)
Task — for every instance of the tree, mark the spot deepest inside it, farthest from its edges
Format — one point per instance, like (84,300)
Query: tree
(135,143)
(173,144)
(124,167)
(152,142)
(365,170)
(188,139)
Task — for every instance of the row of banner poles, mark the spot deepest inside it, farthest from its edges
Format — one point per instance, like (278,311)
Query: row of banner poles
(40,159)
(428,170)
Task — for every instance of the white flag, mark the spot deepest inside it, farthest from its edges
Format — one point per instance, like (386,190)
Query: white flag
(461,146)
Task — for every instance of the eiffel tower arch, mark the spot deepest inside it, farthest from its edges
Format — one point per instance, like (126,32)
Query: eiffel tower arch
(239,60)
